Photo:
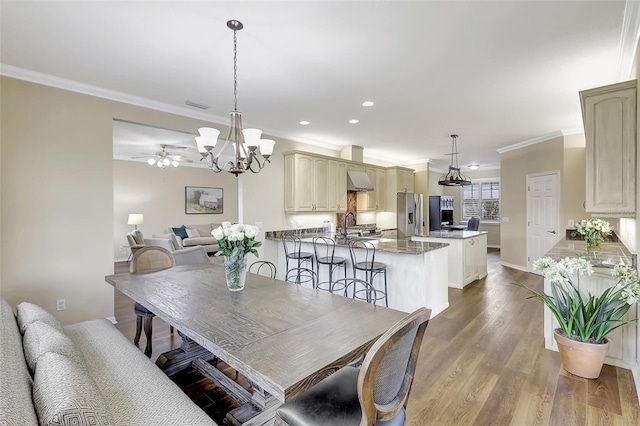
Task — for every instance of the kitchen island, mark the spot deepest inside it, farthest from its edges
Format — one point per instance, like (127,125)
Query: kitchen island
(467,254)
(415,276)
(622,341)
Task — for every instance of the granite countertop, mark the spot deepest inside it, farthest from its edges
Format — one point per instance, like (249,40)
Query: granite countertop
(390,245)
(608,255)
(456,235)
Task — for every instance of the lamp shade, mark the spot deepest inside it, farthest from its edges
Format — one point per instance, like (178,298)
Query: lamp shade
(135,219)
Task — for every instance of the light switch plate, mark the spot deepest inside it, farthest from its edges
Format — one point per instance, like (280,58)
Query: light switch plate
(505,220)
(571,223)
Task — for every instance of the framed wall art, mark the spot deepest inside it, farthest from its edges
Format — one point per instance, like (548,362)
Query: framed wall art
(202,200)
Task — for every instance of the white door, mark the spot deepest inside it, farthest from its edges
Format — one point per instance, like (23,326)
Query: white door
(543,214)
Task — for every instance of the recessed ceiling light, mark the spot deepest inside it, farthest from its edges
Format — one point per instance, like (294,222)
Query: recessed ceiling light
(474,166)
(367,104)
(354,121)
(305,122)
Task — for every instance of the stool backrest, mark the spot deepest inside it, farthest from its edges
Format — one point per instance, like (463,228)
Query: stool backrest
(324,247)
(263,266)
(292,244)
(387,372)
(152,258)
(362,251)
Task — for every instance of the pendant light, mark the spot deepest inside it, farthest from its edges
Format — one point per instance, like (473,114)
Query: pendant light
(247,145)
(453,177)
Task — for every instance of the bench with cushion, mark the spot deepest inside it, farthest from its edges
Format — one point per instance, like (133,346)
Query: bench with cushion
(82,374)
(195,235)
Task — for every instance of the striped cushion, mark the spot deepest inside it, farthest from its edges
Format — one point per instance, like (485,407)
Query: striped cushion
(29,312)
(16,407)
(41,338)
(65,394)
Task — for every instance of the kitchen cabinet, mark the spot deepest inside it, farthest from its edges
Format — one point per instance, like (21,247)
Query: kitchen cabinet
(337,181)
(622,341)
(374,201)
(467,254)
(609,116)
(306,183)
(398,179)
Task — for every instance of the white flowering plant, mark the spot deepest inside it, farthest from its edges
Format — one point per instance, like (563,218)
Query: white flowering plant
(594,230)
(586,318)
(236,240)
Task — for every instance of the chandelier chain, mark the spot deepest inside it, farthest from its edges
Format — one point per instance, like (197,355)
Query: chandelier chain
(235,71)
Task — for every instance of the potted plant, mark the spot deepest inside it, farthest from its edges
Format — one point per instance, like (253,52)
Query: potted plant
(235,242)
(585,320)
(594,230)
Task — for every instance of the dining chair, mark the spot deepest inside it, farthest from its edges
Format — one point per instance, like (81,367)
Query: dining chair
(324,249)
(374,394)
(257,266)
(149,258)
(363,259)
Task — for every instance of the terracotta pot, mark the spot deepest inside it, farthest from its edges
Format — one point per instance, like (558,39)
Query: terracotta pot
(580,358)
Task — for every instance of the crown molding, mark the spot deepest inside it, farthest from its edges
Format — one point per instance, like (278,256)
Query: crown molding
(544,138)
(628,39)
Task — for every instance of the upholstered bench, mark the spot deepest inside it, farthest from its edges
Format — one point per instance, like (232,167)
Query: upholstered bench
(83,374)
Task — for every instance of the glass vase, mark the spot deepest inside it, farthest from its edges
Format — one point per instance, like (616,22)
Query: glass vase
(593,241)
(235,268)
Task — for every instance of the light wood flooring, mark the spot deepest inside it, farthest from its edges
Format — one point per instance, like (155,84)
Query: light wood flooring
(482,362)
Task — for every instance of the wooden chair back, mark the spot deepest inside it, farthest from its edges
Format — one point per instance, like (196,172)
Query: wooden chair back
(387,372)
(151,258)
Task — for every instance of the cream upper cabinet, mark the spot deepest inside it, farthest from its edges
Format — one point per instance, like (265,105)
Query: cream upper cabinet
(374,201)
(398,179)
(405,180)
(314,183)
(609,115)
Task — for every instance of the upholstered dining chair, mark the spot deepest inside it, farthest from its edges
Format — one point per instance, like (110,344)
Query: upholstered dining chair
(146,259)
(473,224)
(374,394)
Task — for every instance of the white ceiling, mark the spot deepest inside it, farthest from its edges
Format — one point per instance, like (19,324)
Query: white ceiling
(496,72)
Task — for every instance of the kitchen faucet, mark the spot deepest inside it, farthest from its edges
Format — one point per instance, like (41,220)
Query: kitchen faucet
(344,230)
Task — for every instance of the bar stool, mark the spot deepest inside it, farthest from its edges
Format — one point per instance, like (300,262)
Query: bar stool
(363,258)
(302,275)
(293,251)
(324,249)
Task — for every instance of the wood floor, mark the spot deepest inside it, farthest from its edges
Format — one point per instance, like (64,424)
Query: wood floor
(482,362)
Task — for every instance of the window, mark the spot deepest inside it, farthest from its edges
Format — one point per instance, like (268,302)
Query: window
(481,199)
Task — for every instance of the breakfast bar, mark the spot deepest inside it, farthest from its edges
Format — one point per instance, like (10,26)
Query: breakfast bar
(416,274)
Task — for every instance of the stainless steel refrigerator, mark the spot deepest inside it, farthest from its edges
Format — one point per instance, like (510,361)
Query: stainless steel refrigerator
(410,214)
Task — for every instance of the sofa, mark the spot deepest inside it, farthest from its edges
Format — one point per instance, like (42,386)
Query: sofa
(82,374)
(195,235)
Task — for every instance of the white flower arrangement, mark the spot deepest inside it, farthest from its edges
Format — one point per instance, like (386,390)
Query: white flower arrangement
(594,230)
(236,240)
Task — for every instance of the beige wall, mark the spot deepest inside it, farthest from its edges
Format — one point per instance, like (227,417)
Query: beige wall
(159,195)
(563,154)
(57,195)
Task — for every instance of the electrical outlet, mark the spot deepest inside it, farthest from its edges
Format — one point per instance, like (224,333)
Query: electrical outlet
(299,224)
(62,304)
(259,225)
(571,223)
(505,220)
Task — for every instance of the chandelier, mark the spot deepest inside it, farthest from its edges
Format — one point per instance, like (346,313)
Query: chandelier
(453,177)
(247,145)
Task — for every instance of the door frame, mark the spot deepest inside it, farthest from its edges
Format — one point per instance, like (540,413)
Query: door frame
(528,215)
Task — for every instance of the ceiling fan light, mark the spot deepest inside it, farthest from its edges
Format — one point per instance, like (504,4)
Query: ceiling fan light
(159,164)
(266,147)
(151,161)
(174,163)
(166,161)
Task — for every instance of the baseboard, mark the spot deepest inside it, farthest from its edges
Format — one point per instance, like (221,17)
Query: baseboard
(514,266)
(112,319)
(493,246)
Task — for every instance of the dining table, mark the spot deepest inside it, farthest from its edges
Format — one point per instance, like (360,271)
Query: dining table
(282,337)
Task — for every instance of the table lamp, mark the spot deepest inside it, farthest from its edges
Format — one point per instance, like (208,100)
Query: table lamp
(135,219)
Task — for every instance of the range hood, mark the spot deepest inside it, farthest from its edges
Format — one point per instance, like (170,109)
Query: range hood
(358,181)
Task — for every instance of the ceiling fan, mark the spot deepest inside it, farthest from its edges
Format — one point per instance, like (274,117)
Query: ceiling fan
(164,159)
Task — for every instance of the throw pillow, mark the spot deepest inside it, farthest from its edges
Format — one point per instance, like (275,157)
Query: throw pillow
(192,232)
(65,394)
(29,312)
(176,241)
(41,338)
(180,232)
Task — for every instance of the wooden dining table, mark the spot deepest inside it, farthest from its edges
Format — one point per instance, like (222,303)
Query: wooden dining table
(283,337)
